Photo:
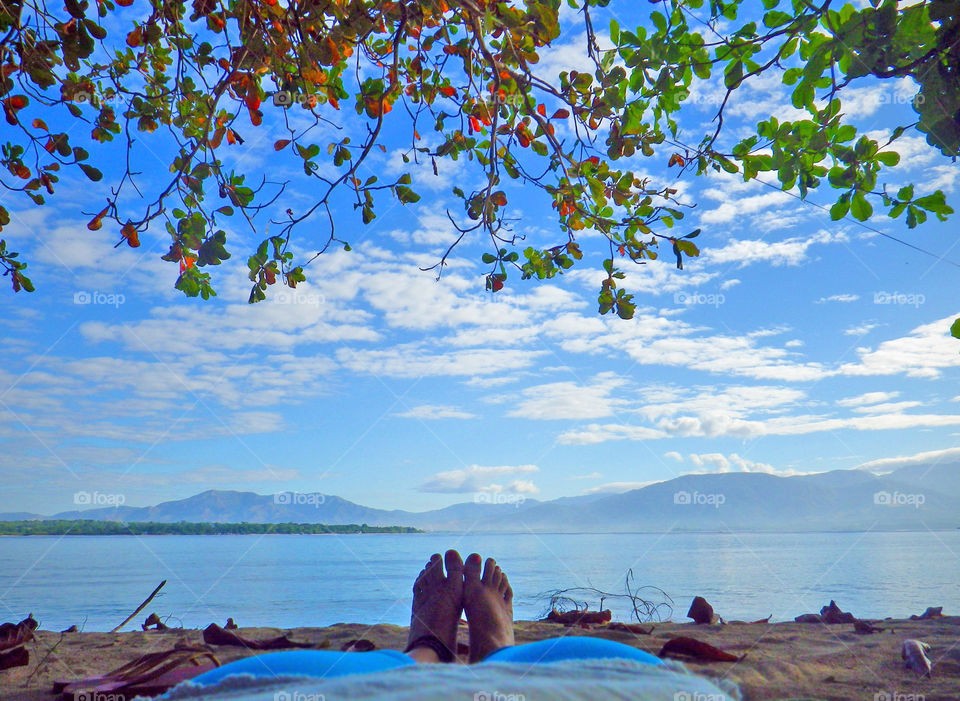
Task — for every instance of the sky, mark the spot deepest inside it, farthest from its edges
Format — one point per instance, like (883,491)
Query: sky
(793,344)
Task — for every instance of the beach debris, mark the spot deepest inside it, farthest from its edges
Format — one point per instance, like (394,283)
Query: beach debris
(865,627)
(16,634)
(572,618)
(17,657)
(148,675)
(215,635)
(463,650)
(830,614)
(154,621)
(701,612)
(833,615)
(231,625)
(931,612)
(691,648)
(748,623)
(914,654)
(360,645)
(140,608)
(634,628)
(71,629)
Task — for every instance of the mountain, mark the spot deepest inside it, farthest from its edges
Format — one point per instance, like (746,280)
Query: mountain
(917,497)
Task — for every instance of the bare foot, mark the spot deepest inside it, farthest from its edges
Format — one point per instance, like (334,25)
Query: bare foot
(436,605)
(488,602)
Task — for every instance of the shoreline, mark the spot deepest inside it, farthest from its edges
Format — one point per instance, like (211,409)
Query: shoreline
(781,660)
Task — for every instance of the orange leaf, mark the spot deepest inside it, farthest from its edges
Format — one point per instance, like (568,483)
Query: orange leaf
(475,124)
(256,117)
(560,114)
(231,139)
(40,124)
(281,144)
(541,110)
(252,99)
(499,198)
(124,3)
(448,91)
(129,232)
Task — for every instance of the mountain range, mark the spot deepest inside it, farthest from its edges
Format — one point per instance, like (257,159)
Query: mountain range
(910,498)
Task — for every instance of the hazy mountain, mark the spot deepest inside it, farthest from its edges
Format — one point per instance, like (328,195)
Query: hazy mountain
(913,497)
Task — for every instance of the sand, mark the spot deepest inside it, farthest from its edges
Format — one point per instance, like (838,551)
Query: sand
(783,660)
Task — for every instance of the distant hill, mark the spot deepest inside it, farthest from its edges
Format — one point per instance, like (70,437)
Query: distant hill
(913,497)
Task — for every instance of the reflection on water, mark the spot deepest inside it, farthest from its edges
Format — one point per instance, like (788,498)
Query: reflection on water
(288,581)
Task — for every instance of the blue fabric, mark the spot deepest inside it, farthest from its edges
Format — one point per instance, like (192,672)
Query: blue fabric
(312,663)
(328,664)
(572,647)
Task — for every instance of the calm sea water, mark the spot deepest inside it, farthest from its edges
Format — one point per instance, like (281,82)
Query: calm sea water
(288,581)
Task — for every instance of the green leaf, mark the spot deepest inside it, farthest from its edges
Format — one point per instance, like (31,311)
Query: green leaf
(860,208)
(92,173)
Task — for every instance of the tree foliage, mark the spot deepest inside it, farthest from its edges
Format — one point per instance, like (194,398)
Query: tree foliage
(462,80)
(64,527)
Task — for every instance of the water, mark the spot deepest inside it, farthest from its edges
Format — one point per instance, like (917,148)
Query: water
(289,581)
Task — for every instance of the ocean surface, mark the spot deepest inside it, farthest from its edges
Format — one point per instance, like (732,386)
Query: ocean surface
(291,580)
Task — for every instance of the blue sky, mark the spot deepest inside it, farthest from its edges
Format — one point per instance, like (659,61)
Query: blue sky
(793,344)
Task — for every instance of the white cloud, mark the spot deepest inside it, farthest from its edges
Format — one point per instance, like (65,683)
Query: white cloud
(885,465)
(477,478)
(846,297)
(433,411)
(617,487)
(925,352)
(791,251)
(861,330)
(570,400)
(868,398)
(673,455)
(722,463)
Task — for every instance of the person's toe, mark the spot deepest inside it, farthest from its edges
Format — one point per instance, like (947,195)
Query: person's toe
(454,565)
(471,570)
(507,590)
(434,569)
(488,570)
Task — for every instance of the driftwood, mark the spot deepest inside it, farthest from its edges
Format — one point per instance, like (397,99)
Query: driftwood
(573,618)
(749,623)
(931,612)
(691,648)
(16,634)
(154,621)
(634,628)
(914,655)
(215,635)
(830,614)
(17,657)
(865,627)
(644,609)
(140,607)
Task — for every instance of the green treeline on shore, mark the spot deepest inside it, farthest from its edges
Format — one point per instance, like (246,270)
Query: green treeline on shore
(89,527)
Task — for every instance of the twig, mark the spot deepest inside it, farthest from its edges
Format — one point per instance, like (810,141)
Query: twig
(140,607)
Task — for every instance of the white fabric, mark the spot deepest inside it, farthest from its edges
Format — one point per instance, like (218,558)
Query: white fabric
(568,680)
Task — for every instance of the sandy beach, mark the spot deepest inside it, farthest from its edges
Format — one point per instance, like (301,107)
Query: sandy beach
(782,660)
